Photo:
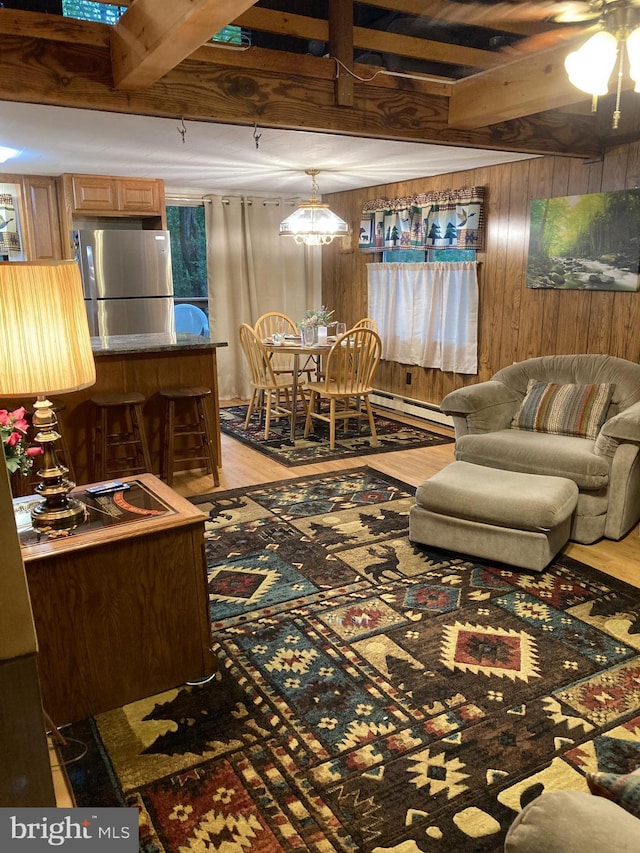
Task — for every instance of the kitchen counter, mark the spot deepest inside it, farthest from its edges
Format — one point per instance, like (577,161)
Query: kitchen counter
(144,363)
(130,344)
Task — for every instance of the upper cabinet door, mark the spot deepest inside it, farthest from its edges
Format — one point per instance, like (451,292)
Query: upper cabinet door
(94,193)
(42,218)
(140,195)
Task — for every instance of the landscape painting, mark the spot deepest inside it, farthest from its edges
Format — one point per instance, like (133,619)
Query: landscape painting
(585,242)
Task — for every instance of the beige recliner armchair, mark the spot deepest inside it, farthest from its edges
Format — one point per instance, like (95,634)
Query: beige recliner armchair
(605,465)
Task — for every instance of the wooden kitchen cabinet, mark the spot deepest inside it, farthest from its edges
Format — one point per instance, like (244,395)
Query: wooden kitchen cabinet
(91,193)
(140,195)
(41,218)
(102,194)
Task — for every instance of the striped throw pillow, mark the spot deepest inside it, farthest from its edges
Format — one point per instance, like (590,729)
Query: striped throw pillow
(623,789)
(564,409)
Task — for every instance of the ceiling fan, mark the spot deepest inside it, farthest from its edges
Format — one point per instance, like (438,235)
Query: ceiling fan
(565,19)
(613,27)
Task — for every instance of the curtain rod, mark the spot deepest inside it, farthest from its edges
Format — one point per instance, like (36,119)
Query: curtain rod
(205,200)
(265,202)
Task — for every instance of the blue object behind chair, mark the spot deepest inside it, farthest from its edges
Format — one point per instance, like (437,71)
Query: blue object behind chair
(190,318)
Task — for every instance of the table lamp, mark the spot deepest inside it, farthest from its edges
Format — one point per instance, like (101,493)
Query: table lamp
(45,348)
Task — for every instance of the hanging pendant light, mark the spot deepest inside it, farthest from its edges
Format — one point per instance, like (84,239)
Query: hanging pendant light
(312,222)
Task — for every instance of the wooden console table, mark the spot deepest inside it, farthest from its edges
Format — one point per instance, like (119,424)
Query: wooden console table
(121,604)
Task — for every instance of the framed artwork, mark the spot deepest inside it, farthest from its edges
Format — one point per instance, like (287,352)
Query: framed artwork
(366,232)
(585,242)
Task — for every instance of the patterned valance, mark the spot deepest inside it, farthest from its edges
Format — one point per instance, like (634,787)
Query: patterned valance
(450,219)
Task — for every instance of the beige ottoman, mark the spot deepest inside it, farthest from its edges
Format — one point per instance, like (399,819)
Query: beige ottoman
(505,516)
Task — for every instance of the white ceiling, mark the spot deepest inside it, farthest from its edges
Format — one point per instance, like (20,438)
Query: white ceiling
(217,158)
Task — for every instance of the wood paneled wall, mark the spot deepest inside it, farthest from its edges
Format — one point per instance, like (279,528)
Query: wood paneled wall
(515,322)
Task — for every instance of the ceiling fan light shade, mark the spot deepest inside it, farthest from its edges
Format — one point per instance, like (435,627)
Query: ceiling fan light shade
(313,223)
(633,53)
(590,67)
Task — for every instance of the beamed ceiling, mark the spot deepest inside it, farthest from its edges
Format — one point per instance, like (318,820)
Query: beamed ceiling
(440,72)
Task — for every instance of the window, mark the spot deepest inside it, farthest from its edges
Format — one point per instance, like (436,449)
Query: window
(84,10)
(451,256)
(189,254)
(104,13)
(230,34)
(418,256)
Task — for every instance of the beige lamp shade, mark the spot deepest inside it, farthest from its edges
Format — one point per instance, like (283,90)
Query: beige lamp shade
(45,345)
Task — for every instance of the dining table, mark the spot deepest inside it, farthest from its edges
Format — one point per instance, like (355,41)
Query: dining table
(294,345)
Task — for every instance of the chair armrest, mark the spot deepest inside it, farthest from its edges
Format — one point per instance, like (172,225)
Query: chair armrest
(625,426)
(485,407)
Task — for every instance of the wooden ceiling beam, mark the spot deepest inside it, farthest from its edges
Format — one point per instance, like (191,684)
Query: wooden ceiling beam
(341,48)
(523,87)
(364,38)
(239,88)
(153,36)
(53,28)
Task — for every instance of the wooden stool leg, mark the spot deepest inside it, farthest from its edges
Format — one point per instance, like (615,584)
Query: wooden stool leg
(140,437)
(212,450)
(101,445)
(170,445)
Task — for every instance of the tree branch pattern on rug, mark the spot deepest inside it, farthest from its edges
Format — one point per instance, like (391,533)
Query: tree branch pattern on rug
(373,695)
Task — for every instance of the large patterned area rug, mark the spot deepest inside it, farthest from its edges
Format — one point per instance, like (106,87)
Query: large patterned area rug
(392,435)
(372,694)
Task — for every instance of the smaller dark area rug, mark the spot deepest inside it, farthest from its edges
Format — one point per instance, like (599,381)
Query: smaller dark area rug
(392,435)
(373,696)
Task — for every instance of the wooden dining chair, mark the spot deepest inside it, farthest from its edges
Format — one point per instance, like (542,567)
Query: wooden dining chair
(350,366)
(270,392)
(366,323)
(265,327)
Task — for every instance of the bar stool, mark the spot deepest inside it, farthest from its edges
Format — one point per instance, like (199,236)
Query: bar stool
(188,433)
(21,486)
(124,449)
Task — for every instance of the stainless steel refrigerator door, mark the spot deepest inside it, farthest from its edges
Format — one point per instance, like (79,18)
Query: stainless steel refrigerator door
(135,316)
(92,316)
(117,264)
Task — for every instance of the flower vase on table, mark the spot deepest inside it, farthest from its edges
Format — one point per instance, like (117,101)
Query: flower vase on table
(315,319)
(309,335)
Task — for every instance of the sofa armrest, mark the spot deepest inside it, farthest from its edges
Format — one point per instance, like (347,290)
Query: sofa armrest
(625,426)
(485,407)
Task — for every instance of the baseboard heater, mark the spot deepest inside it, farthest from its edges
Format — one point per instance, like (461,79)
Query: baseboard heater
(415,408)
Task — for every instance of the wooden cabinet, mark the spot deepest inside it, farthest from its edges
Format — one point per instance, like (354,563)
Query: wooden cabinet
(41,218)
(139,195)
(121,608)
(101,194)
(91,193)
(49,207)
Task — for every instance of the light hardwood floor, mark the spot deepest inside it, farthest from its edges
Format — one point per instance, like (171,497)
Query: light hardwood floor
(242,466)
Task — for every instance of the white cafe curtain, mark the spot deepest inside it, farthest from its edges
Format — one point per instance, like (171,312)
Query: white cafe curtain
(252,270)
(427,313)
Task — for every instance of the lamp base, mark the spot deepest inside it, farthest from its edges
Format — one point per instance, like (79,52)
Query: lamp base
(68,515)
(57,511)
